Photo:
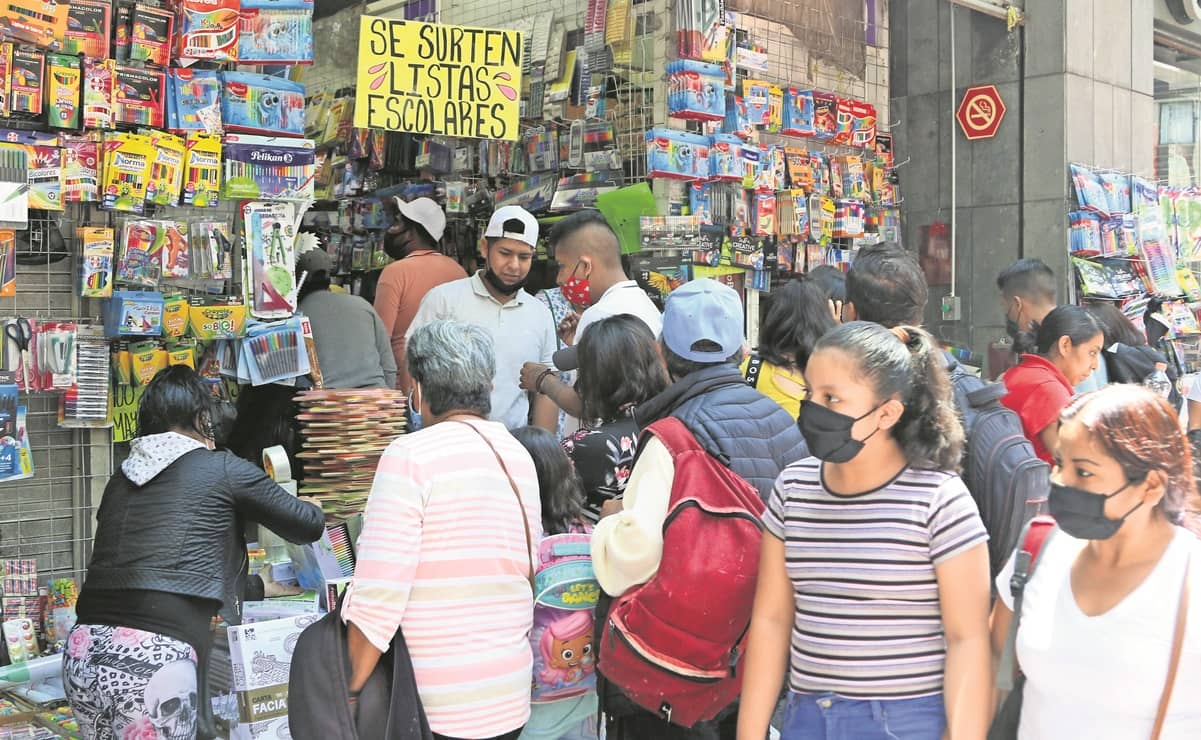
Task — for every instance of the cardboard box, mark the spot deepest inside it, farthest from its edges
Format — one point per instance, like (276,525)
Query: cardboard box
(261,654)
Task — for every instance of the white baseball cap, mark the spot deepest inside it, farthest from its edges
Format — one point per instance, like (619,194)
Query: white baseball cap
(527,235)
(425,212)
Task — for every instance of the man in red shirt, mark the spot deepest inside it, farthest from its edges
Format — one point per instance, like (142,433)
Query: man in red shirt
(419,267)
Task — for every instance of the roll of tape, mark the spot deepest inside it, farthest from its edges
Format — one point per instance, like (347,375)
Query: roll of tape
(277,465)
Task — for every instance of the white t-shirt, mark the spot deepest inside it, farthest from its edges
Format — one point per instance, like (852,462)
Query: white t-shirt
(523,330)
(1101,677)
(622,298)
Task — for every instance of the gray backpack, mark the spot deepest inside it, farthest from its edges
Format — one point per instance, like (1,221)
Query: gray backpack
(1007,480)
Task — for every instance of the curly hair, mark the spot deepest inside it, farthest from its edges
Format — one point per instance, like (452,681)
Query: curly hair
(1140,430)
(906,363)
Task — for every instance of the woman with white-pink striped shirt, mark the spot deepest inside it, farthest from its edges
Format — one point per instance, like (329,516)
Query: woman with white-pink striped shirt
(446,548)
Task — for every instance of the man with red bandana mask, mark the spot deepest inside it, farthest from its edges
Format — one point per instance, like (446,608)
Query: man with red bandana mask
(588,255)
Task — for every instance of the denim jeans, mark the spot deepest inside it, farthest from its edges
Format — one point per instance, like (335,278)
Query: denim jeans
(831,717)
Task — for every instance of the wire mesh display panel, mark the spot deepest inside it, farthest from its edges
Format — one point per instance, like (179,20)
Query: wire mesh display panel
(49,517)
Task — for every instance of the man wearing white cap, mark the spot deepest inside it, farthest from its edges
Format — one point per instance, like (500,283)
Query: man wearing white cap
(522,328)
(413,242)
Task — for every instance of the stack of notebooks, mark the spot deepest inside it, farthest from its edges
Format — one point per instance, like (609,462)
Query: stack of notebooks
(343,435)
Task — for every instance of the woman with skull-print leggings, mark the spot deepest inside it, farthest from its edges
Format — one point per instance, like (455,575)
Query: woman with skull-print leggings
(131,684)
(167,552)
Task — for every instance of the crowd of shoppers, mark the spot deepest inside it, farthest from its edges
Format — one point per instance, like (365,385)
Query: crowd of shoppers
(870,617)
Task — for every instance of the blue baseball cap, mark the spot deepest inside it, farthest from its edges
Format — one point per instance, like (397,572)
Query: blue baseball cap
(700,310)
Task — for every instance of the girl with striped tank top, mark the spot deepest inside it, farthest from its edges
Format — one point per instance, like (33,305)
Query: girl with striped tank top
(873,585)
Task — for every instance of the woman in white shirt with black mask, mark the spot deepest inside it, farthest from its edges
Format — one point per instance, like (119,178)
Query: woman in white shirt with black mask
(1100,607)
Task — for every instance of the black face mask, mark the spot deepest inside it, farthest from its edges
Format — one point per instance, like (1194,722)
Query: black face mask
(827,433)
(1082,514)
(501,286)
(1012,328)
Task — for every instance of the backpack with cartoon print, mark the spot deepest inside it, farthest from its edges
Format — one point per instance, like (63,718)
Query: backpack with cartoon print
(565,596)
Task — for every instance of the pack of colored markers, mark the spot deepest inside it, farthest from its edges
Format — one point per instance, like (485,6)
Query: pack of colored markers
(273,352)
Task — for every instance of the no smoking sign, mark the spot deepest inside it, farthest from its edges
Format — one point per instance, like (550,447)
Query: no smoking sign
(980,112)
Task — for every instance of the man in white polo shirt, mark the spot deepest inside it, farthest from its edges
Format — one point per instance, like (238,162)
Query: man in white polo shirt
(522,328)
(588,255)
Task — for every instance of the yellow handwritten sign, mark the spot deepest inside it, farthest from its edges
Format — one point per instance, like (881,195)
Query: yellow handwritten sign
(125,400)
(428,78)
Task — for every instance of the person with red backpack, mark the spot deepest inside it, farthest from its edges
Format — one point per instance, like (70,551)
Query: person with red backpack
(678,553)
(873,584)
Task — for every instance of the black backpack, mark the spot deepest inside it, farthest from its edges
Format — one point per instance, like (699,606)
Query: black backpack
(1002,472)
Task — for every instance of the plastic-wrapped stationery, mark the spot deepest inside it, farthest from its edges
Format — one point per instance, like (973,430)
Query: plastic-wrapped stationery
(269,233)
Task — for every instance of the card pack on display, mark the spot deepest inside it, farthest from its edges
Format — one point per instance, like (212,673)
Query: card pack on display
(269,233)
(255,103)
(194,101)
(81,170)
(166,171)
(89,28)
(96,273)
(46,177)
(268,167)
(99,87)
(276,32)
(202,170)
(127,162)
(42,23)
(139,96)
(150,39)
(208,29)
(65,88)
(27,82)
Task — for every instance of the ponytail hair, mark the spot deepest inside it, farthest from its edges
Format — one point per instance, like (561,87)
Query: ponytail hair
(906,363)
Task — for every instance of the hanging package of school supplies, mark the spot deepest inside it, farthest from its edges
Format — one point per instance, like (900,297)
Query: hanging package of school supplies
(138,96)
(276,32)
(14,186)
(142,243)
(46,177)
(64,89)
(151,31)
(194,101)
(212,250)
(255,103)
(208,29)
(202,170)
(166,172)
(268,167)
(8,263)
(81,169)
(269,233)
(96,271)
(6,68)
(89,27)
(127,162)
(39,22)
(99,81)
(275,351)
(28,83)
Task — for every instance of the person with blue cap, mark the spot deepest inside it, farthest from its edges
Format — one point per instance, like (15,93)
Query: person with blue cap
(702,344)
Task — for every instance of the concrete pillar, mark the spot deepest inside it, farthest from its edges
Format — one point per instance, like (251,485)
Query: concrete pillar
(1077,86)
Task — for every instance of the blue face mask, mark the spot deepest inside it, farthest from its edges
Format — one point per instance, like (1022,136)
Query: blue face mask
(414,413)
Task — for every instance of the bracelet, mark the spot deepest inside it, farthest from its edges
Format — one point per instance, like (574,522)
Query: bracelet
(542,378)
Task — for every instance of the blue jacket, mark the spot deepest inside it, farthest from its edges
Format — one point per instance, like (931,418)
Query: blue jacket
(737,424)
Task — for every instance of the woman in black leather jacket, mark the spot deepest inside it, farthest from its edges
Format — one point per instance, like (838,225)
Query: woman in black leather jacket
(157,576)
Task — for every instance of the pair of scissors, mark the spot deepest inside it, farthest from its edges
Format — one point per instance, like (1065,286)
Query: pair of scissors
(21,333)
